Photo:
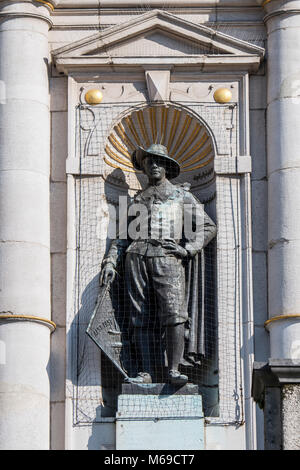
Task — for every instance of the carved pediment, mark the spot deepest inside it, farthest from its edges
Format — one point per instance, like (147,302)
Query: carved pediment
(156,36)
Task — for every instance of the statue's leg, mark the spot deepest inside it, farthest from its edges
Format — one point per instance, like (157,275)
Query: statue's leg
(168,277)
(137,289)
(175,335)
(175,344)
(143,341)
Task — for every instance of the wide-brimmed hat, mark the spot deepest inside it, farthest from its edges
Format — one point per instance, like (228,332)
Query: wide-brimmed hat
(156,150)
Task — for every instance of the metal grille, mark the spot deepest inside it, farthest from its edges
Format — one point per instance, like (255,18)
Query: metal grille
(97,383)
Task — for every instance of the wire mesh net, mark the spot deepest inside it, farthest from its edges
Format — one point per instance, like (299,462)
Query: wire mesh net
(131,313)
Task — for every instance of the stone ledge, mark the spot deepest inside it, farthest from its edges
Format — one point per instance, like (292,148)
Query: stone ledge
(275,373)
(159,389)
(151,3)
(287,371)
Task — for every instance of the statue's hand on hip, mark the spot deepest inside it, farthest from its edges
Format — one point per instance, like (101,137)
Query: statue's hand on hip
(173,248)
(107,275)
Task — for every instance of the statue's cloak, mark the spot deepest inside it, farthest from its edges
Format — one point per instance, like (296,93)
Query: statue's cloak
(195,301)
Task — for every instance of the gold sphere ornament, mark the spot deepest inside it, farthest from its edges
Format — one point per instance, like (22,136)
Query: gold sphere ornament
(93,97)
(222,95)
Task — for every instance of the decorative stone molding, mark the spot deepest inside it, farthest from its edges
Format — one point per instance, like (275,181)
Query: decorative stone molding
(262,378)
(282,317)
(272,374)
(29,9)
(225,165)
(44,321)
(128,44)
(158,84)
(151,3)
(51,5)
(276,7)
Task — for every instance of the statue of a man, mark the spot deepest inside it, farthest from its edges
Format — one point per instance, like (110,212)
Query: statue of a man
(156,264)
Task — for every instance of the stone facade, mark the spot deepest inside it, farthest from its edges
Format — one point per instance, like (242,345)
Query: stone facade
(52,53)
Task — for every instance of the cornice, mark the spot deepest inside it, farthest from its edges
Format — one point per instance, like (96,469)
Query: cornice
(56,5)
(64,5)
(136,4)
(273,374)
(154,3)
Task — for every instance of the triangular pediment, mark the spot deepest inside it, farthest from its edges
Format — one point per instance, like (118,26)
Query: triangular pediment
(155,43)
(156,34)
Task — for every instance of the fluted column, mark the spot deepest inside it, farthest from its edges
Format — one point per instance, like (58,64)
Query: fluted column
(283,142)
(25,324)
(276,384)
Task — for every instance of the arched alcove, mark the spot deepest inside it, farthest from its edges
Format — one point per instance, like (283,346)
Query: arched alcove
(108,139)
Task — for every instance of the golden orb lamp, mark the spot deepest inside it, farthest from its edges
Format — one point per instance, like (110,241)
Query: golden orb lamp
(222,95)
(93,96)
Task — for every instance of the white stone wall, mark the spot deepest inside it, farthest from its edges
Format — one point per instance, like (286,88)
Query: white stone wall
(243,23)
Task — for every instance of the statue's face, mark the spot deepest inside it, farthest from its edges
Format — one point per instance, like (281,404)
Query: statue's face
(155,168)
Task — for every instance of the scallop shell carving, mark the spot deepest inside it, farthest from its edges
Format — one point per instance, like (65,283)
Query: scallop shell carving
(185,137)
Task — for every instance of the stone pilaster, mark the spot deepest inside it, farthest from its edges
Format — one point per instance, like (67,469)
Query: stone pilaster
(276,385)
(25,323)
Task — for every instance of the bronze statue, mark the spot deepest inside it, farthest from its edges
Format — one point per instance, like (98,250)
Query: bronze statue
(159,267)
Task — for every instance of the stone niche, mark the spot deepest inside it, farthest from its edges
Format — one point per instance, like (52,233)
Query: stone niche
(158,75)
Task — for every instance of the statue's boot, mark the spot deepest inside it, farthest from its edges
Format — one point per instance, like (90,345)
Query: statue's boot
(175,335)
(141,378)
(143,341)
(176,378)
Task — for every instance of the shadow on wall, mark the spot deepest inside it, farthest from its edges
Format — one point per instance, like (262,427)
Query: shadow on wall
(90,369)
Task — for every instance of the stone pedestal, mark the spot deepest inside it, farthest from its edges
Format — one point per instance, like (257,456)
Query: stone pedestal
(276,389)
(160,417)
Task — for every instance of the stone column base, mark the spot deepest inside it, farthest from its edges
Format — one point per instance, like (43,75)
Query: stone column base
(276,389)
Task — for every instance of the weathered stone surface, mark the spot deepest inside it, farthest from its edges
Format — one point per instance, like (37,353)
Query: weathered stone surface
(260,215)
(57,423)
(273,433)
(59,94)
(58,288)
(260,285)
(58,212)
(59,145)
(291,416)
(258,143)
(57,365)
(276,389)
